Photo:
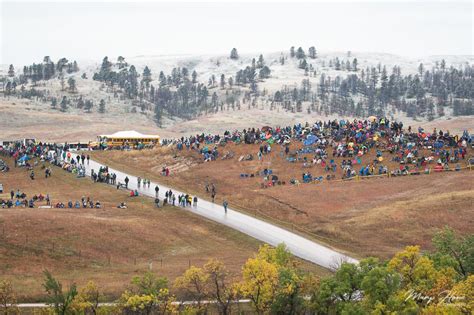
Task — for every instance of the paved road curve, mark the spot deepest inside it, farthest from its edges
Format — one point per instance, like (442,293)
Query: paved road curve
(259,229)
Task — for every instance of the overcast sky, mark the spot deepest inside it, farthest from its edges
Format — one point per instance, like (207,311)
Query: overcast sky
(91,30)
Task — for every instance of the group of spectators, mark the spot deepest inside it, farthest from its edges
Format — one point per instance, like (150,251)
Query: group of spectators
(332,145)
(350,140)
(20,199)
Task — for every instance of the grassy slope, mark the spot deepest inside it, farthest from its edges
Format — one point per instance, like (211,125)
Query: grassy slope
(369,217)
(77,245)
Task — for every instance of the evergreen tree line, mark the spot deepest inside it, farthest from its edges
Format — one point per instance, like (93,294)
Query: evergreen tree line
(374,92)
(62,103)
(180,93)
(47,69)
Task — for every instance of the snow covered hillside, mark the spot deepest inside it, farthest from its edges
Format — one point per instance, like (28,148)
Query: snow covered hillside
(328,86)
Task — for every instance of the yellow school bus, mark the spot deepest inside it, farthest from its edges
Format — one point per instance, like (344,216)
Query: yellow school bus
(131,138)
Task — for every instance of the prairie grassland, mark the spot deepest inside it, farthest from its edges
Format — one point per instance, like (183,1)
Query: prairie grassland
(376,216)
(107,245)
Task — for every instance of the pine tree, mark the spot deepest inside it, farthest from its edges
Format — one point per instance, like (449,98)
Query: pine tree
(260,62)
(146,78)
(421,69)
(185,73)
(300,53)
(72,85)
(278,97)
(303,64)
(158,115)
(299,106)
(222,81)
(102,106)
(354,64)
(47,70)
(264,73)
(75,67)
(64,104)
(80,103)
(132,88)
(61,64)
(233,54)
(312,52)
(282,60)
(253,87)
(105,69)
(121,62)
(11,71)
(214,99)
(292,52)
(162,79)
(348,65)
(88,105)
(194,76)
(62,81)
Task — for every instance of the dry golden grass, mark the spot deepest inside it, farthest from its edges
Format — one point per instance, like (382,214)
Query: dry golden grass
(376,216)
(108,245)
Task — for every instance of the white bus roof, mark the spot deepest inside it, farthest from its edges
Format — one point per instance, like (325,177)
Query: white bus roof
(130,134)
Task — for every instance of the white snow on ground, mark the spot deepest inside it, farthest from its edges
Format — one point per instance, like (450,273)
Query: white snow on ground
(208,65)
(119,113)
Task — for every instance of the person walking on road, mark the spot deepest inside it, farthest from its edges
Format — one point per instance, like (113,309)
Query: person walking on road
(139,180)
(213,196)
(225,204)
(157,189)
(126,181)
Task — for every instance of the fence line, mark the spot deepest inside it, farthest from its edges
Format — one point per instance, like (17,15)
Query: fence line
(105,304)
(356,178)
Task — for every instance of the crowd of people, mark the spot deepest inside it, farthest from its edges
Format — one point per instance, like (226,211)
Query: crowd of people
(337,147)
(323,142)
(20,199)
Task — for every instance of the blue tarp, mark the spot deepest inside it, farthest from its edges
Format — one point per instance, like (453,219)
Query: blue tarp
(24,158)
(310,140)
